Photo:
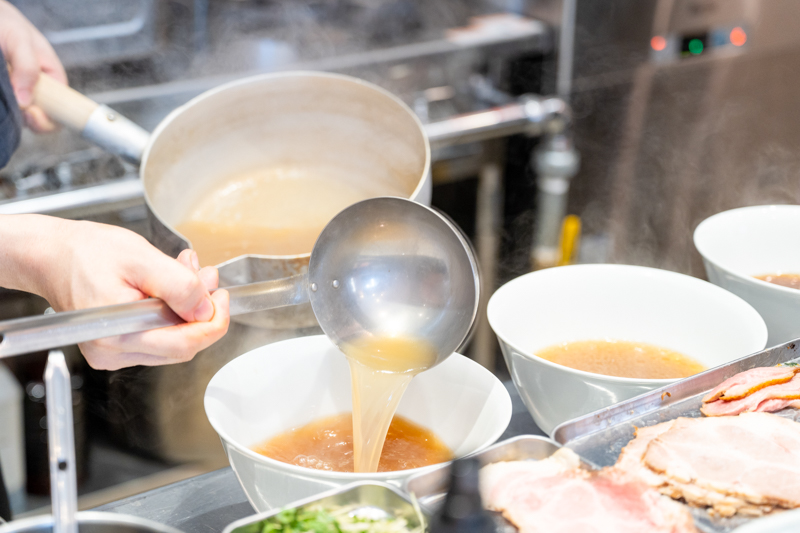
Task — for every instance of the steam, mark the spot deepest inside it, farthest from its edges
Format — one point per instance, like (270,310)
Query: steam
(710,137)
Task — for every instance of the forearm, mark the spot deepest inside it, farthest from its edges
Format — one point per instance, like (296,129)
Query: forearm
(30,246)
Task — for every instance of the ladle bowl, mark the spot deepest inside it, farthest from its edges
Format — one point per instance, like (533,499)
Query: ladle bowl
(381,267)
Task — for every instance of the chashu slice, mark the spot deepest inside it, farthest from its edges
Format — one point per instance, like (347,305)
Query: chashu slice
(750,381)
(757,401)
(771,406)
(753,457)
(557,496)
(631,463)
(630,459)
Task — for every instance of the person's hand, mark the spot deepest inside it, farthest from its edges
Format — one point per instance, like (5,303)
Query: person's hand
(28,54)
(106,265)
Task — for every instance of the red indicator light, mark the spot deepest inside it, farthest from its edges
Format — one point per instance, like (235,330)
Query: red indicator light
(738,36)
(658,43)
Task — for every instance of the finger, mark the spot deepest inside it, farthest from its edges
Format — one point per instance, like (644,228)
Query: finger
(187,259)
(21,56)
(210,277)
(48,59)
(37,120)
(178,285)
(167,345)
(104,360)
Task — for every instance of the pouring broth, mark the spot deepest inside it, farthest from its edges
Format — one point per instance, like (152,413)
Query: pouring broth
(274,211)
(381,370)
(622,359)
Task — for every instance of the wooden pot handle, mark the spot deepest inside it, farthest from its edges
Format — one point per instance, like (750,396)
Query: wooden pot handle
(62,103)
(96,123)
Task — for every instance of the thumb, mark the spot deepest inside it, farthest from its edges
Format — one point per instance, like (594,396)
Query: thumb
(178,285)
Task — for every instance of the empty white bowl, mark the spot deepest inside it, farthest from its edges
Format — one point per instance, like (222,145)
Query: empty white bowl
(288,384)
(614,302)
(739,244)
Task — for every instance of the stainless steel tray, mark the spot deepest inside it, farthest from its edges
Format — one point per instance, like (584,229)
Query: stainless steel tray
(600,436)
(430,488)
(373,500)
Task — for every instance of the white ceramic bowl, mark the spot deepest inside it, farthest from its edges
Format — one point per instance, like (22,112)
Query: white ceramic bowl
(739,244)
(615,302)
(288,384)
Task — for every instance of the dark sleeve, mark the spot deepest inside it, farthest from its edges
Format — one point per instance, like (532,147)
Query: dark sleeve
(10,117)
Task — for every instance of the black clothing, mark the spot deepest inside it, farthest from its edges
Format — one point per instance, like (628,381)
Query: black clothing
(10,117)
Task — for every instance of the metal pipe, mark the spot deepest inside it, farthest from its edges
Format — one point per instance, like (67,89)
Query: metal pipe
(566,49)
(556,162)
(488,228)
(112,195)
(530,115)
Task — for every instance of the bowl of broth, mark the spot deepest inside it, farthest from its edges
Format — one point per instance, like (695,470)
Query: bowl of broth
(284,415)
(583,337)
(754,252)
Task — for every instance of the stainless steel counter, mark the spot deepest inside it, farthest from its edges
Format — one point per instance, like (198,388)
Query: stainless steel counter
(208,503)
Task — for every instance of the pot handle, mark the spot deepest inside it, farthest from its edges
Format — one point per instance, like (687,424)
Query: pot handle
(95,122)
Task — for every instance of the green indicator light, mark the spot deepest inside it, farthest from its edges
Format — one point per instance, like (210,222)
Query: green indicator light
(696,46)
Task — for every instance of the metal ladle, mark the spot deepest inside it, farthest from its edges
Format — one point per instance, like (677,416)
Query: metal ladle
(381,267)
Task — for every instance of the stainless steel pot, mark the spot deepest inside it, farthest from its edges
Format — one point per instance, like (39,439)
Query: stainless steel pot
(301,119)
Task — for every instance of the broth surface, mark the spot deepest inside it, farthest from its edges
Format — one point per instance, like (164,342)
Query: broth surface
(622,359)
(327,444)
(273,211)
(784,280)
(381,369)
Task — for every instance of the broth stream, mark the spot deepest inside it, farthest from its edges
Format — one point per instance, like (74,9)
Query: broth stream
(380,369)
(622,359)
(274,211)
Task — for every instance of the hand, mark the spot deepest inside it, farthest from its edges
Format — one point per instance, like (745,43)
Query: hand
(28,54)
(107,265)
(75,265)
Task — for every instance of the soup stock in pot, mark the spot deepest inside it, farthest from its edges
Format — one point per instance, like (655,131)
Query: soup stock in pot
(247,174)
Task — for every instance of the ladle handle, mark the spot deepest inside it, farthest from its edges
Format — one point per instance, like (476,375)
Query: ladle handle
(95,122)
(61,443)
(38,333)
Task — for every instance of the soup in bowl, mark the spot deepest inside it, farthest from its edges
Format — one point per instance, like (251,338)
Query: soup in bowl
(547,321)
(263,395)
(753,252)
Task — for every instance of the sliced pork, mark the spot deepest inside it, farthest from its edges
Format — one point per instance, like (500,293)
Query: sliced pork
(557,496)
(630,459)
(757,401)
(770,406)
(753,458)
(750,381)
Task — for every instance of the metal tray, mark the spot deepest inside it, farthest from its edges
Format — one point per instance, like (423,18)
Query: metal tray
(430,488)
(600,436)
(373,499)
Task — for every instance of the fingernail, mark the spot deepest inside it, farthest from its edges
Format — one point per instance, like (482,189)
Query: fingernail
(205,311)
(23,97)
(195,260)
